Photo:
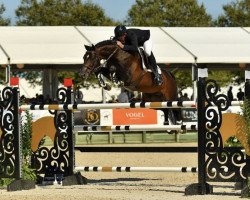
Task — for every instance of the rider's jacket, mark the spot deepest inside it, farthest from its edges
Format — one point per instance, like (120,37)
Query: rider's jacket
(135,38)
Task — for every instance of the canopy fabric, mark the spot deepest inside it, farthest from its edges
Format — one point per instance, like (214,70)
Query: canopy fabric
(58,45)
(3,57)
(42,45)
(165,49)
(247,29)
(214,45)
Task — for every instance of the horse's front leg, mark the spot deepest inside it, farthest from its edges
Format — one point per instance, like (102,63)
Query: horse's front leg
(102,83)
(113,76)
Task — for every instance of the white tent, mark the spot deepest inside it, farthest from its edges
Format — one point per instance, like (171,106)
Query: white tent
(64,45)
(214,45)
(42,45)
(50,48)
(166,50)
(247,29)
(3,57)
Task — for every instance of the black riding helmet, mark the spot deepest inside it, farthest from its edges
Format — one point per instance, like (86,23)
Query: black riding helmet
(119,31)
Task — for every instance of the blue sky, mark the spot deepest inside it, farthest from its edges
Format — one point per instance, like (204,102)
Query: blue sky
(117,9)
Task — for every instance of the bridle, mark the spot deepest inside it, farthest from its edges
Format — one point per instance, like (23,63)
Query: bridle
(104,64)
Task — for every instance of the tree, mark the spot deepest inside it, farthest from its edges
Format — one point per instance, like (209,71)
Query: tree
(235,14)
(168,13)
(3,21)
(61,12)
(183,79)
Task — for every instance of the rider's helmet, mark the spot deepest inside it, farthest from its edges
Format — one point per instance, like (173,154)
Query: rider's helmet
(120,30)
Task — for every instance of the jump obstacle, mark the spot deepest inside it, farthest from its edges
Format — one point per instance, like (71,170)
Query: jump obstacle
(136,169)
(209,149)
(78,107)
(137,128)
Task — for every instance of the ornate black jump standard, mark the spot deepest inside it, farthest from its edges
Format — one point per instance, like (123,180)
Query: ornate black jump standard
(228,165)
(216,163)
(59,159)
(10,141)
(10,151)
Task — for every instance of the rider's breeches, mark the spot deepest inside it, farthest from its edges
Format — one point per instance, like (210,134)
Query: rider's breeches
(148,47)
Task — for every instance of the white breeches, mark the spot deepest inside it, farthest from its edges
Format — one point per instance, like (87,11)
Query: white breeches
(148,47)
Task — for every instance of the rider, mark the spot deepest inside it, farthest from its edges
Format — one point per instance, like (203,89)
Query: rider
(131,39)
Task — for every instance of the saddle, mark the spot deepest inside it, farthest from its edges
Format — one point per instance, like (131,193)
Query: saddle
(145,63)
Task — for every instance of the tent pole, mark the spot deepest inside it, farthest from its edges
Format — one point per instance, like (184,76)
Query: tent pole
(7,75)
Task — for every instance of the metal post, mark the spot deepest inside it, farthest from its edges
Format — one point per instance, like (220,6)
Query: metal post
(17,134)
(194,79)
(70,132)
(144,137)
(110,137)
(201,135)
(103,96)
(202,187)
(7,75)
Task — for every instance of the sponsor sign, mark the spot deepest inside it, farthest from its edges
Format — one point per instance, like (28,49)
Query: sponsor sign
(109,117)
(134,116)
(189,114)
(87,117)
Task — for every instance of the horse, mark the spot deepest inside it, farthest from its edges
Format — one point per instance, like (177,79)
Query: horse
(129,70)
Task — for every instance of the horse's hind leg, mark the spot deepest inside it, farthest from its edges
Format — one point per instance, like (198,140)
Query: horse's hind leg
(177,115)
(169,116)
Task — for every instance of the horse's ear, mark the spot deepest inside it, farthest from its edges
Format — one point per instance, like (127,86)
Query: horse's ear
(89,48)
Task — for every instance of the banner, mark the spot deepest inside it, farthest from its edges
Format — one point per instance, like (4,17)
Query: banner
(132,116)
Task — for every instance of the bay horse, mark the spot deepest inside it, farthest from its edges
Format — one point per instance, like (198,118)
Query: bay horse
(129,70)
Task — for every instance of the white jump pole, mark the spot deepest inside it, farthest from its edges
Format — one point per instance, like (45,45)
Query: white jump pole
(136,169)
(166,104)
(142,169)
(192,126)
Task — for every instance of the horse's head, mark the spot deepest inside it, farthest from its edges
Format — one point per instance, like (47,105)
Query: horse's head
(91,61)
(95,54)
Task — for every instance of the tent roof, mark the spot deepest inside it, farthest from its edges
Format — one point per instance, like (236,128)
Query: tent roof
(42,45)
(3,56)
(64,45)
(247,29)
(166,50)
(214,45)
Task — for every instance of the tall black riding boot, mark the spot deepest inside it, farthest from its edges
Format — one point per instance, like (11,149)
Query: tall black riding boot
(152,62)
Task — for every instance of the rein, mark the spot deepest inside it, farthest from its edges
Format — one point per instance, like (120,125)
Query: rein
(103,65)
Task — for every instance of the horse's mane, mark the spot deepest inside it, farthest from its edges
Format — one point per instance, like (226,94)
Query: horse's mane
(105,42)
